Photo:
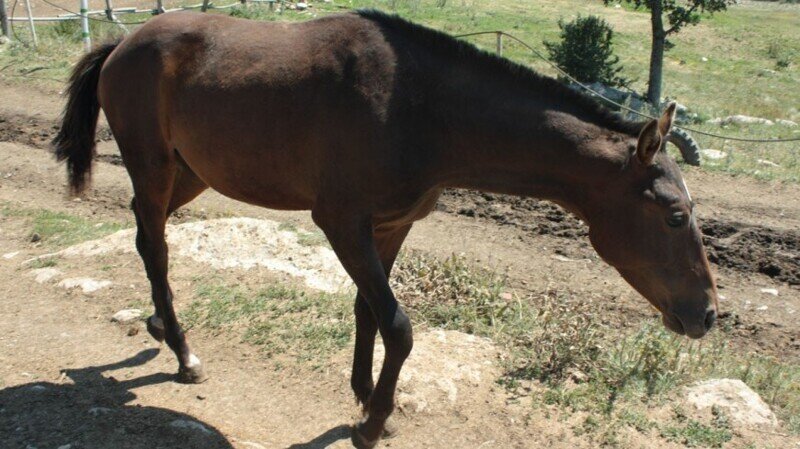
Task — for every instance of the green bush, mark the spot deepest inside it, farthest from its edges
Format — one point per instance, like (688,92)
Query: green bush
(585,51)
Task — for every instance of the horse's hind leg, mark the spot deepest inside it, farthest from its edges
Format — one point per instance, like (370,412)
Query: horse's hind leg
(187,186)
(154,173)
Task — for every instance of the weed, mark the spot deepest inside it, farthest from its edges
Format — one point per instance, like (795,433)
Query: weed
(43,262)
(696,434)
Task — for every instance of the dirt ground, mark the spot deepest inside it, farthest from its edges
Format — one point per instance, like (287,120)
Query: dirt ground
(70,376)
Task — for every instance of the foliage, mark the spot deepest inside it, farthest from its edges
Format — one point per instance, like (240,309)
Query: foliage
(680,13)
(585,51)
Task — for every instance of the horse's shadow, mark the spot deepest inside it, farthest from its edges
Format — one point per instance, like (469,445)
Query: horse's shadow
(92,413)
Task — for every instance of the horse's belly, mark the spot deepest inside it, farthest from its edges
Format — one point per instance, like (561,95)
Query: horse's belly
(254,177)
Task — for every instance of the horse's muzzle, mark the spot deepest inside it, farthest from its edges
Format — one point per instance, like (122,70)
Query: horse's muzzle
(691,326)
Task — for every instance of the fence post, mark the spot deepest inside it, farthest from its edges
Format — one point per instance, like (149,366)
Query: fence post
(499,44)
(30,22)
(87,39)
(4,19)
(204,8)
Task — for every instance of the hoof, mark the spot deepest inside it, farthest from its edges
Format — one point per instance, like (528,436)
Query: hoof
(193,375)
(358,440)
(390,429)
(155,327)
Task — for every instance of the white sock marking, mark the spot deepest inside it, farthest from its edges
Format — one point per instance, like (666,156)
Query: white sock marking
(193,361)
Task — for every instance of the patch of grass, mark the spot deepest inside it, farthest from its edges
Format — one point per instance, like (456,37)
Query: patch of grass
(306,238)
(280,319)
(59,229)
(693,433)
(43,262)
(254,12)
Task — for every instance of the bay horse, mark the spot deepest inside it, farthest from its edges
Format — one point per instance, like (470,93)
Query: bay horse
(364,118)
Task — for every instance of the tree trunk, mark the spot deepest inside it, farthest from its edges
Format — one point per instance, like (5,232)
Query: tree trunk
(656,53)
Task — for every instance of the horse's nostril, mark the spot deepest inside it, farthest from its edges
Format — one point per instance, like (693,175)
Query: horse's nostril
(711,317)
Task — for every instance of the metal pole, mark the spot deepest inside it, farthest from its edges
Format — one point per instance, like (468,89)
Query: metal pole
(499,44)
(110,16)
(30,21)
(87,39)
(4,19)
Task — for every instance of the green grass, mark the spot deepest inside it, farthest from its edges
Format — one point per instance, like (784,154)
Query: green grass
(752,67)
(59,229)
(280,319)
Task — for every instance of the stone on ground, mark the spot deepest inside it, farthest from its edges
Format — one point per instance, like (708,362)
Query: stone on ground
(126,316)
(444,369)
(735,398)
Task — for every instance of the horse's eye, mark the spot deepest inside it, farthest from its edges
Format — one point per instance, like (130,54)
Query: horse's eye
(676,220)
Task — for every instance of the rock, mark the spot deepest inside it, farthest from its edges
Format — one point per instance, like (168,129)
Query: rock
(10,255)
(4,40)
(446,370)
(236,243)
(126,316)
(191,425)
(714,155)
(770,291)
(42,275)
(704,59)
(88,285)
(740,120)
(735,398)
(97,411)
(251,445)
(768,163)
(65,446)
(301,6)
(788,123)
(35,237)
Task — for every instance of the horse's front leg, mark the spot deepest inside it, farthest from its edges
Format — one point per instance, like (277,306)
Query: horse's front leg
(388,245)
(351,236)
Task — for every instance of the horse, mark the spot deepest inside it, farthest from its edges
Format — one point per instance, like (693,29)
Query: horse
(364,118)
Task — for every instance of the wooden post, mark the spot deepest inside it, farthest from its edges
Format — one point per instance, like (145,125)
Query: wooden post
(4,20)
(159,7)
(499,44)
(204,8)
(110,11)
(30,22)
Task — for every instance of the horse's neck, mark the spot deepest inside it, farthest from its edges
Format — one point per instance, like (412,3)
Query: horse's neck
(499,142)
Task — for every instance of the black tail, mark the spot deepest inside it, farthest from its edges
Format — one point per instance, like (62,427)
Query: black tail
(75,140)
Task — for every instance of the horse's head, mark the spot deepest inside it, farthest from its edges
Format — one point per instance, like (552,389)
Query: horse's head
(642,223)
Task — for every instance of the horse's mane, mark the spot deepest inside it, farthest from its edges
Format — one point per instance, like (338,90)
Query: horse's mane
(589,108)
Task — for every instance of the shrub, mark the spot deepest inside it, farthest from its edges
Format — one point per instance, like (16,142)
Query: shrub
(585,51)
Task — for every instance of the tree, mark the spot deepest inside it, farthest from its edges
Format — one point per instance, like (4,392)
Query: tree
(585,51)
(679,14)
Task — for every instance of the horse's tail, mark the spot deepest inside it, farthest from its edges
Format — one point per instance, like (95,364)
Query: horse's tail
(75,140)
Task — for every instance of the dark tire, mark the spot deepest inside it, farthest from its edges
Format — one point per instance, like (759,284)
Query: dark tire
(690,150)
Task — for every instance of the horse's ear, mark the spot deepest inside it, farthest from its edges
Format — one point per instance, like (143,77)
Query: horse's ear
(649,142)
(665,122)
